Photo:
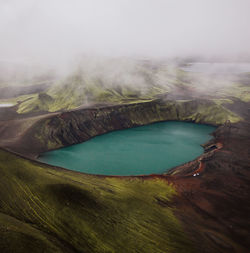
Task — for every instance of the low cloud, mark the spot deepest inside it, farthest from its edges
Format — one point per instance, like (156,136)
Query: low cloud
(104,40)
(55,31)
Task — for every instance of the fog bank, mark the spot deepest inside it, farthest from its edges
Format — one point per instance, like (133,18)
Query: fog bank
(56,31)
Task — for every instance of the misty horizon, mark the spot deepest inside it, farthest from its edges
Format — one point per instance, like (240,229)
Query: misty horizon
(59,32)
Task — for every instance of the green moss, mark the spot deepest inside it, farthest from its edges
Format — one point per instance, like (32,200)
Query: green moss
(40,102)
(205,112)
(82,88)
(17,99)
(17,236)
(222,101)
(87,213)
(240,91)
(237,90)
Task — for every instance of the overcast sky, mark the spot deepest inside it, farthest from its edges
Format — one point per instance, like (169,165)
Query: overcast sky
(56,30)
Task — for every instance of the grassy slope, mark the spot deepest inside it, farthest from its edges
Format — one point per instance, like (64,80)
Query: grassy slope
(79,89)
(73,94)
(39,102)
(62,211)
(144,84)
(210,113)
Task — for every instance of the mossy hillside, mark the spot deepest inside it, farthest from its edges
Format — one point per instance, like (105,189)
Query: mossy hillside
(40,102)
(198,111)
(64,211)
(239,91)
(18,236)
(19,99)
(221,87)
(222,101)
(71,96)
(146,83)
(80,89)
(77,92)
(206,112)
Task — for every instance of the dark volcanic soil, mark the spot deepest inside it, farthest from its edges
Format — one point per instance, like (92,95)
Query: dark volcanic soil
(215,205)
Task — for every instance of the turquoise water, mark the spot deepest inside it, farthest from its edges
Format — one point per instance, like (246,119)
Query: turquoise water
(150,149)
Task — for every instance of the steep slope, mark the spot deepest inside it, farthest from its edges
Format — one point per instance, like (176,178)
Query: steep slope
(53,210)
